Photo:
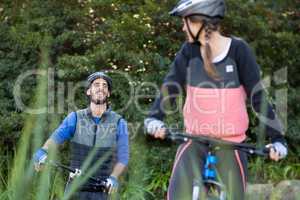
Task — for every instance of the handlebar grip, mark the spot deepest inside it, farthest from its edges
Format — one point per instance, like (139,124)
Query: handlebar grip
(261,152)
(176,136)
(169,135)
(266,150)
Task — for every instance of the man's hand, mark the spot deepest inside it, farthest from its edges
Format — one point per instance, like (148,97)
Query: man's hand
(155,127)
(112,184)
(39,159)
(277,151)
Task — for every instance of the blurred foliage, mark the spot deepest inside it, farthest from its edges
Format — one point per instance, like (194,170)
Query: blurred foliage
(135,41)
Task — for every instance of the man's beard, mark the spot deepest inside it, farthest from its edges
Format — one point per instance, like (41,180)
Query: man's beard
(99,101)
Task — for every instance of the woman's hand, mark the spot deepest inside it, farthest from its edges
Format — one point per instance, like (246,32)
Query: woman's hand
(155,127)
(277,151)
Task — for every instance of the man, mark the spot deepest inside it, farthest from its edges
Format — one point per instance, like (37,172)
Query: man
(96,128)
(218,74)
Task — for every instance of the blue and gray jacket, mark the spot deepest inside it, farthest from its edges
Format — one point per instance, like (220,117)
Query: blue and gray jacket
(105,139)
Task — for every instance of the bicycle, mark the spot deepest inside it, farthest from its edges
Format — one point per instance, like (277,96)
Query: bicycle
(214,189)
(97,185)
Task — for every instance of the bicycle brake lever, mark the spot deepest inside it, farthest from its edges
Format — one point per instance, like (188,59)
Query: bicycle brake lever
(261,152)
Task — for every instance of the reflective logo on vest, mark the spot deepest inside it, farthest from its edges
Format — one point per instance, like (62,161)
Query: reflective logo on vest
(229,68)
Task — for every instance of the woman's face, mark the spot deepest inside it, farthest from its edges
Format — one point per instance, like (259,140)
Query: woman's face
(194,27)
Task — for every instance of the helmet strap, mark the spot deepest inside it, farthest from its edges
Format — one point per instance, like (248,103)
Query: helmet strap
(200,30)
(195,38)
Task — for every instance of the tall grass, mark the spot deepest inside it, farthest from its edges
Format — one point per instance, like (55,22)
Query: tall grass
(23,182)
(143,181)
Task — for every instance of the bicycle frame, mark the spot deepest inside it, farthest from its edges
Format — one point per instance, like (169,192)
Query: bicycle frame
(209,179)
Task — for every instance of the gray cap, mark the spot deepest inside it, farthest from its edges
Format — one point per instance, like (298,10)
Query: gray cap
(97,75)
(209,8)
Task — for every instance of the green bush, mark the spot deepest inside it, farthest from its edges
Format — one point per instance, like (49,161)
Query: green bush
(140,39)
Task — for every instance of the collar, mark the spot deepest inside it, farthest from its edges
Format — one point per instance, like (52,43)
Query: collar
(103,116)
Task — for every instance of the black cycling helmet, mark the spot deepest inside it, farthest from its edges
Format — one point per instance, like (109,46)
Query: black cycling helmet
(208,8)
(97,75)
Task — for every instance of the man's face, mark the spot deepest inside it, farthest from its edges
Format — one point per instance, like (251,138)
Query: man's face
(98,91)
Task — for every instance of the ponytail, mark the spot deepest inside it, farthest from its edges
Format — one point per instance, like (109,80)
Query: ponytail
(210,25)
(209,66)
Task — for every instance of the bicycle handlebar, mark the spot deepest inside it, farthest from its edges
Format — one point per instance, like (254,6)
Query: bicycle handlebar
(247,148)
(98,182)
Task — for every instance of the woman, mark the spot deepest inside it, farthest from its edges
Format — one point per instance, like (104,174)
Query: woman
(219,74)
